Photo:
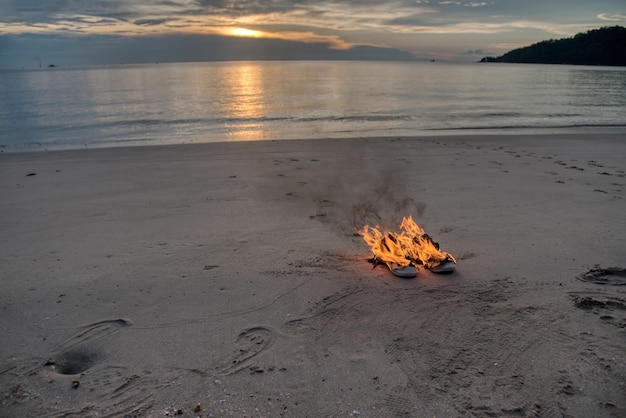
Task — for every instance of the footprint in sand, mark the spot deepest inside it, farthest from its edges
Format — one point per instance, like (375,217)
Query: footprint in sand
(400,401)
(249,343)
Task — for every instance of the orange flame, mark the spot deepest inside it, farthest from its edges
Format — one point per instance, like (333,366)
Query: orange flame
(410,246)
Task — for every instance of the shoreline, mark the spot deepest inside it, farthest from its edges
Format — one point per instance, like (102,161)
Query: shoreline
(473,134)
(225,278)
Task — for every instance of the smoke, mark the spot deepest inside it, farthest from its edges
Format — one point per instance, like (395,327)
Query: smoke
(366,189)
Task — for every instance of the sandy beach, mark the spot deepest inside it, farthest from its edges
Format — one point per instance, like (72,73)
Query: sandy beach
(226,280)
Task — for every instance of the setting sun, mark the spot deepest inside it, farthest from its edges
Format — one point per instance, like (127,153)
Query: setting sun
(249,33)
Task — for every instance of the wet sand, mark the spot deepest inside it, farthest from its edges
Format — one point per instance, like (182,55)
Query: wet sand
(226,279)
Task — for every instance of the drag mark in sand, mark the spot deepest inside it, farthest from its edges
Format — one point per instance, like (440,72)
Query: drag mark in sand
(249,343)
(331,308)
(92,332)
(225,314)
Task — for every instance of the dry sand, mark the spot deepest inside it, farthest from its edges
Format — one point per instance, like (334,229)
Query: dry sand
(225,280)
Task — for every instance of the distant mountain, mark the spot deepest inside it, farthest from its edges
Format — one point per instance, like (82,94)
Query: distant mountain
(604,46)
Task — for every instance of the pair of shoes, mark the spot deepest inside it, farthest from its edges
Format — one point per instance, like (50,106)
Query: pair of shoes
(410,271)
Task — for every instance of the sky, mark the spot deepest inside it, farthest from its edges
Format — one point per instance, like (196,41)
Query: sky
(84,32)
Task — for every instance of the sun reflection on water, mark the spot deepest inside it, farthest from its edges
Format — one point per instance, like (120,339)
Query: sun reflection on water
(246,108)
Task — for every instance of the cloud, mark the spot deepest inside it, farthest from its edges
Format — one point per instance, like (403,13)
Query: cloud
(613,17)
(151,22)
(399,16)
(340,25)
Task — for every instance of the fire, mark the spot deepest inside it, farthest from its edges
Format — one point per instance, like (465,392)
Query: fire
(411,246)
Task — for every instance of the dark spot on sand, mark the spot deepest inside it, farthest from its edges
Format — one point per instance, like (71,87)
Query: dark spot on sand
(587,302)
(211,267)
(318,215)
(466,256)
(31,174)
(73,361)
(115,322)
(614,276)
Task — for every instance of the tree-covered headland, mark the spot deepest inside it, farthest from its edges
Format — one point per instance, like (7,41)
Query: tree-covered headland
(604,46)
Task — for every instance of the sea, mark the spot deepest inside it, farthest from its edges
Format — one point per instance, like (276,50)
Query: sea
(155,104)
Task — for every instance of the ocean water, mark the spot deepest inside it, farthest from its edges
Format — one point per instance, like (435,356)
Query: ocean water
(67,108)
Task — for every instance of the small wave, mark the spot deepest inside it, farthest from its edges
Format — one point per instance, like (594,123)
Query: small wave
(522,126)
(215,122)
(198,121)
(358,118)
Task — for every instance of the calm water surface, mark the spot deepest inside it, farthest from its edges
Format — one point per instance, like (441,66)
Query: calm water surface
(239,101)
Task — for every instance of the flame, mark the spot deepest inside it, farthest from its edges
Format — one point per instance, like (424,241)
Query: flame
(410,246)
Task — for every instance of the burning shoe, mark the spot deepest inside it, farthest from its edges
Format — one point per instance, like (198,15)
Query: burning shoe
(405,250)
(446,266)
(407,272)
